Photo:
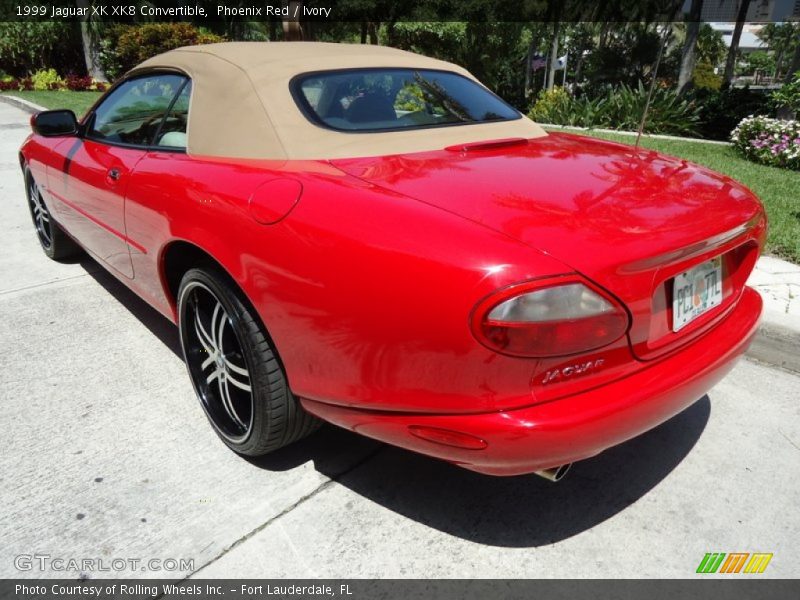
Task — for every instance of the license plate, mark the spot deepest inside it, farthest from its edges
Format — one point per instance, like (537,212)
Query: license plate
(695,292)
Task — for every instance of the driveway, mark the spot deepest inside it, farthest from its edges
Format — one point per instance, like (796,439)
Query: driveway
(107,455)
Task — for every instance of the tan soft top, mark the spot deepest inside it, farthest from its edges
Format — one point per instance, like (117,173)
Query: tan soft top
(242,107)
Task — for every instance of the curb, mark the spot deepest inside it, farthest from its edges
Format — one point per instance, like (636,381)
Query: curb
(28,107)
(655,136)
(775,344)
(778,340)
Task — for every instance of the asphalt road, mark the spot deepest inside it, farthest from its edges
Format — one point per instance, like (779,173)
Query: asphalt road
(106,455)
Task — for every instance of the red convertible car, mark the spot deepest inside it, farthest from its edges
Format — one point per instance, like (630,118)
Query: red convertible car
(371,238)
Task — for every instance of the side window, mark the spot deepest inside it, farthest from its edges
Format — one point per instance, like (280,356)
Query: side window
(173,130)
(133,112)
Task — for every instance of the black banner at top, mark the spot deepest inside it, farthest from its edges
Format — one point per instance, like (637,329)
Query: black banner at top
(388,11)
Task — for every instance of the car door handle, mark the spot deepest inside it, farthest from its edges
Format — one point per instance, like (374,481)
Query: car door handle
(114,174)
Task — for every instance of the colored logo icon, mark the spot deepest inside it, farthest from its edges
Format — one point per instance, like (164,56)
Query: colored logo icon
(734,562)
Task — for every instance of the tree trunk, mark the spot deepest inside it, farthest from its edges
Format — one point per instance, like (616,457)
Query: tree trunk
(91,53)
(778,61)
(689,46)
(528,59)
(551,71)
(579,69)
(604,30)
(795,66)
(292,31)
(372,30)
(363,32)
(730,64)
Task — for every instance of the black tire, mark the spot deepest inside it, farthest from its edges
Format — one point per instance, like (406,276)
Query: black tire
(54,242)
(236,355)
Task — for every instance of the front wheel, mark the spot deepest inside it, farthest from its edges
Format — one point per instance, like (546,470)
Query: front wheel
(234,368)
(55,243)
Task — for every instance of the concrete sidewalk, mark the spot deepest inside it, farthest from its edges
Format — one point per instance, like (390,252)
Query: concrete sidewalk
(778,281)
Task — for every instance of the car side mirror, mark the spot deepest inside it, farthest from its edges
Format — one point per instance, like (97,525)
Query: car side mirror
(51,123)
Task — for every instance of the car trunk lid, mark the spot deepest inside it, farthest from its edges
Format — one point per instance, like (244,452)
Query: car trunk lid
(629,219)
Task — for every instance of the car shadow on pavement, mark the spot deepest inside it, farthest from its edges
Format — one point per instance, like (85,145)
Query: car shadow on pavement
(156,323)
(524,511)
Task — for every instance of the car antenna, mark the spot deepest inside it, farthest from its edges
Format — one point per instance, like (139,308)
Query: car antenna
(664,36)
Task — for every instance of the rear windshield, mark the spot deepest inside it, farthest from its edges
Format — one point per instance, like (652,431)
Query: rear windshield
(396,99)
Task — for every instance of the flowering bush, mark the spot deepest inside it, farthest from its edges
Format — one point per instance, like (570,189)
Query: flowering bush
(76,83)
(46,79)
(49,80)
(769,141)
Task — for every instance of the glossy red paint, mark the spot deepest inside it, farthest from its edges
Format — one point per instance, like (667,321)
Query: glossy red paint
(580,426)
(367,283)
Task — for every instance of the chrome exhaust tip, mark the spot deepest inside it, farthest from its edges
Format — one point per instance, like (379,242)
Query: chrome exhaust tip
(554,474)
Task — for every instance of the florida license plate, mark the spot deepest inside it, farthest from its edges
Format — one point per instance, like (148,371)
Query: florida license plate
(696,292)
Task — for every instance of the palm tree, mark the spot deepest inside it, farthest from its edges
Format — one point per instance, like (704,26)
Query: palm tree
(710,46)
(89,38)
(555,11)
(782,40)
(689,46)
(730,64)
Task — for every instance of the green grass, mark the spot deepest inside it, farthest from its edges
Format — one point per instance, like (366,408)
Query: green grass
(779,189)
(79,102)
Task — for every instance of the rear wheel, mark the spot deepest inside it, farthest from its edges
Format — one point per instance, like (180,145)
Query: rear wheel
(234,368)
(55,243)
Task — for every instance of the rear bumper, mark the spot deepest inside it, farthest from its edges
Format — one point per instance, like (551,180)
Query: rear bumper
(580,426)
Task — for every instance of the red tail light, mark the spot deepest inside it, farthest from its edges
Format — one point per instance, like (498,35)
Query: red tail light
(549,317)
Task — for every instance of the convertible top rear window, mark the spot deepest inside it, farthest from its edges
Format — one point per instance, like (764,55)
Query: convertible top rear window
(391,99)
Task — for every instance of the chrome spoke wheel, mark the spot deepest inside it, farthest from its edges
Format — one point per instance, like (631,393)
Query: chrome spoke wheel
(41,217)
(216,362)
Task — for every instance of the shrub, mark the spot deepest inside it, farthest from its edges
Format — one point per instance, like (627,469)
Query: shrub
(559,107)
(769,141)
(27,46)
(125,46)
(704,77)
(619,108)
(553,106)
(77,83)
(46,79)
(668,113)
(720,111)
(16,85)
(788,95)
(49,80)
